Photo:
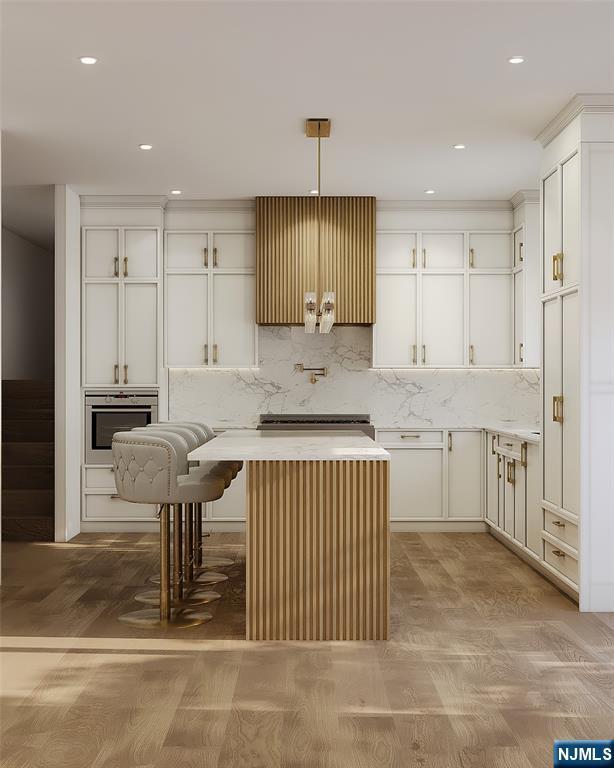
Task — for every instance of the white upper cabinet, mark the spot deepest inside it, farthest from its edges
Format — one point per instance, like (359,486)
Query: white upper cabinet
(140,253)
(490,320)
(187,250)
(140,364)
(571,221)
(442,250)
(234,310)
(101,253)
(442,320)
(552,232)
(519,318)
(396,250)
(101,358)
(552,437)
(490,250)
(234,250)
(395,342)
(465,474)
(187,320)
(571,403)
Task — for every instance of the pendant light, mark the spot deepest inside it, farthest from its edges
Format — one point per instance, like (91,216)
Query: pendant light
(318,128)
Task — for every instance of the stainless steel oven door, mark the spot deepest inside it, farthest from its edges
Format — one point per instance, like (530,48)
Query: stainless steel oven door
(102,422)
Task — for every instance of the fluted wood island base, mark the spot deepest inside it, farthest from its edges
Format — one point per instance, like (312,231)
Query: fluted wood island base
(317,554)
(317,550)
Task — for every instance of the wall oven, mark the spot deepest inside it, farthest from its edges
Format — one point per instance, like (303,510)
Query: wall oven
(109,412)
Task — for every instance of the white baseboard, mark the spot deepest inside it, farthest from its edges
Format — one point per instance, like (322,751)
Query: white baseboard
(438,526)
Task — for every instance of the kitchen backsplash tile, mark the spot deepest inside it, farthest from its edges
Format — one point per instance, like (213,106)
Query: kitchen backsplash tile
(404,398)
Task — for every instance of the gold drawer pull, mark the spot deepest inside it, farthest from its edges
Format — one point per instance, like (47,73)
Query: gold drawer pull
(558,553)
(424,354)
(116,266)
(413,258)
(125,266)
(523,454)
(471,258)
(449,441)
(206,354)
(521,353)
(520,256)
(205,257)
(424,258)
(557,409)
(471,355)
(215,257)
(499,466)
(558,523)
(116,374)
(557,266)
(125,374)
(410,437)
(492,447)
(509,445)
(114,497)
(511,472)
(414,355)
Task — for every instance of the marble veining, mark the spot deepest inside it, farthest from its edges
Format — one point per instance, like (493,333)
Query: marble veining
(394,398)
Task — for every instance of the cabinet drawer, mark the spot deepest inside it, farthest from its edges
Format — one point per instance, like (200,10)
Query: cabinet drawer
(561,528)
(99,478)
(510,445)
(410,437)
(99,506)
(563,562)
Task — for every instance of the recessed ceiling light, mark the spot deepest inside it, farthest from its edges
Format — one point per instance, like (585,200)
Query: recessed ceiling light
(88,59)
(175,191)
(516,60)
(458,146)
(145,146)
(429,191)
(313,191)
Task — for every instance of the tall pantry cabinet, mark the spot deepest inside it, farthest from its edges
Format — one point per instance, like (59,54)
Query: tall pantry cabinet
(577,200)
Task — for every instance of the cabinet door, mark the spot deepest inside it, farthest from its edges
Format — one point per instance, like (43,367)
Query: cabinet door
(395,330)
(140,253)
(508,492)
(443,250)
(465,474)
(518,247)
(571,404)
(101,252)
(187,301)
(140,366)
(520,503)
(234,320)
(518,318)
(442,319)
(492,479)
(571,220)
(533,496)
(234,250)
(233,502)
(551,226)
(187,250)
(490,314)
(395,250)
(552,386)
(416,477)
(101,333)
(490,250)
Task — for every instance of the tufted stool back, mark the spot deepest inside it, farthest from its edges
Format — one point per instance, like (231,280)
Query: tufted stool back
(146,466)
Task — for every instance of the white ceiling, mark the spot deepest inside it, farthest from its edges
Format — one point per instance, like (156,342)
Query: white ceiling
(221,91)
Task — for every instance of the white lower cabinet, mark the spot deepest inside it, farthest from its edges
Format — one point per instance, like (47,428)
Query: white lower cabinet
(493,462)
(533,493)
(416,483)
(232,505)
(101,503)
(465,474)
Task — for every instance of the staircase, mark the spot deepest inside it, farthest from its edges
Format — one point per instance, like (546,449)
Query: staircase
(27,460)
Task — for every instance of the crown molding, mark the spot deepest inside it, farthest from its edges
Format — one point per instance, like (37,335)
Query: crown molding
(217,206)
(589,103)
(443,205)
(525,196)
(124,201)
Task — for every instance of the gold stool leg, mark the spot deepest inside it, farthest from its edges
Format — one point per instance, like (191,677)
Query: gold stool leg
(188,547)
(198,535)
(178,576)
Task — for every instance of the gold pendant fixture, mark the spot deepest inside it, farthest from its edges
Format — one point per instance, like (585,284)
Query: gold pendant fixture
(318,128)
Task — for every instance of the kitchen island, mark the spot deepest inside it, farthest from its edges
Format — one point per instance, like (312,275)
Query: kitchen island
(317,544)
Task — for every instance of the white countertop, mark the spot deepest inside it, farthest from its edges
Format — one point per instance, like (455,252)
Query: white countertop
(291,445)
(530,434)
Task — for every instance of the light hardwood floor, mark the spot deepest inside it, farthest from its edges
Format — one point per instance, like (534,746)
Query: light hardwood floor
(487,665)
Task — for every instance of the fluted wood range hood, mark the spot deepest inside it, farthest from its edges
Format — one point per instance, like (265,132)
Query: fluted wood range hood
(315,253)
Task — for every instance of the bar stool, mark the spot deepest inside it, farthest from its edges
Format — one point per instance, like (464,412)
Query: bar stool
(148,471)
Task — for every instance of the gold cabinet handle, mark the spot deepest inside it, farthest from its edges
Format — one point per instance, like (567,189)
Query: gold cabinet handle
(116,266)
(557,266)
(558,523)
(557,409)
(521,352)
(424,354)
(125,266)
(520,254)
(410,437)
(413,258)
(215,353)
(206,354)
(449,441)
(511,472)
(116,373)
(205,257)
(471,258)
(424,258)
(558,553)
(523,454)
(215,257)
(499,466)
(471,355)
(114,497)
(414,355)
(492,447)
(125,374)
(509,445)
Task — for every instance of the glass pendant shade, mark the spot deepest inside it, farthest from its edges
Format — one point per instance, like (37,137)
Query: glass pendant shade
(327,311)
(311,314)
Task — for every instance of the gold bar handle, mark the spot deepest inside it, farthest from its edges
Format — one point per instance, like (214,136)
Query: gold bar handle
(558,553)
(558,523)
(206,354)
(214,354)
(449,441)
(424,354)
(424,258)
(410,437)
(125,266)
(521,352)
(116,266)
(559,267)
(125,374)
(471,355)
(414,355)
(523,454)
(492,447)
(520,254)
(471,258)
(413,258)
(205,257)
(116,373)
(557,409)
(511,472)
(499,466)
(215,257)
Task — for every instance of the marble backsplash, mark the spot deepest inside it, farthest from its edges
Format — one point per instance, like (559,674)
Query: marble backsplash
(403,398)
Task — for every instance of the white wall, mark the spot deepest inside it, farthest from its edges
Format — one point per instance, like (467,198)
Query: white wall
(27,309)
